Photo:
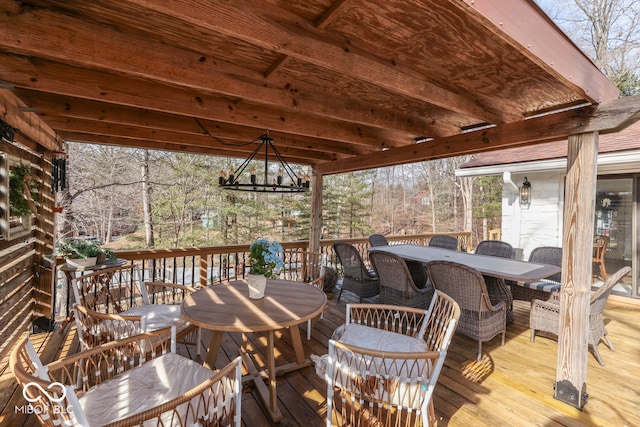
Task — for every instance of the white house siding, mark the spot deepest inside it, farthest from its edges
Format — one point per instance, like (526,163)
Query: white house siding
(541,224)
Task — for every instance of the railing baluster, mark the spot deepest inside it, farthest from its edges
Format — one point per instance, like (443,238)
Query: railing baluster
(219,260)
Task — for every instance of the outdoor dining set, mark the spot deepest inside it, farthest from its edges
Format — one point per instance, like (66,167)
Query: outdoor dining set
(381,366)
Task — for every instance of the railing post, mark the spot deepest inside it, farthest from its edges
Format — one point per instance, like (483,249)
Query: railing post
(204,264)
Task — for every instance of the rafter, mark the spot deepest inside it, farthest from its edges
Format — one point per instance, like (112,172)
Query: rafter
(176,66)
(241,147)
(65,108)
(53,77)
(257,25)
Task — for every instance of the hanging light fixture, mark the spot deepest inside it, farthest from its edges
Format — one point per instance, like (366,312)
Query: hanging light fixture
(525,193)
(286,180)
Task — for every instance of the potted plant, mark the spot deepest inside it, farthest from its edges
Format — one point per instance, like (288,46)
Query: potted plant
(265,263)
(82,253)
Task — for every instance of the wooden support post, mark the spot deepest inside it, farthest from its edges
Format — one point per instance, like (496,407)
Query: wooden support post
(315,233)
(573,336)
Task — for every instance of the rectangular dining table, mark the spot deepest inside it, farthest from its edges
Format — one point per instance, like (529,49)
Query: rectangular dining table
(503,268)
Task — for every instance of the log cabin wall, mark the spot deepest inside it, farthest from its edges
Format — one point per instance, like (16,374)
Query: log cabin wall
(26,281)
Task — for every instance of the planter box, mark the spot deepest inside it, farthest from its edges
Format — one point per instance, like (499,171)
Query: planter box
(82,262)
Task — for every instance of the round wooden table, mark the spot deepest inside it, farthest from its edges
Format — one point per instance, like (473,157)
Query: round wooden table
(228,308)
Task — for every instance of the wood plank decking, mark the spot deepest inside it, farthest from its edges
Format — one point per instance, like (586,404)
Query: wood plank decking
(511,386)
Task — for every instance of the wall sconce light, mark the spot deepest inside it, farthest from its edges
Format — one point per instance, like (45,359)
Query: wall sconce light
(525,194)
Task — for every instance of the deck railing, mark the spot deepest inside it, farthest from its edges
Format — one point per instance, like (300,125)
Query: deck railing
(202,266)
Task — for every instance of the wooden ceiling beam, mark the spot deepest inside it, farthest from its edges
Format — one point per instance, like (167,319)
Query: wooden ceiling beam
(28,125)
(605,118)
(142,144)
(58,106)
(243,148)
(120,54)
(277,30)
(329,15)
(62,79)
(162,146)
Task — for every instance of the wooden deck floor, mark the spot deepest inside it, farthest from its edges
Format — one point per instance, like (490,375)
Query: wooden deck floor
(511,386)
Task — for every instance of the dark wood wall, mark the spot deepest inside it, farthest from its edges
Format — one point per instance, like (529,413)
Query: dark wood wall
(26,280)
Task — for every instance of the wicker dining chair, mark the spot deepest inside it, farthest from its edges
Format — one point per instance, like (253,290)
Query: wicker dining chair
(537,290)
(357,278)
(418,273)
(378,240)
(545,315)
(445,242)
(600,244)
(120,291)
(131,382)
(96,328)
(392,384)
(499,290)
(396,285)
(480,320)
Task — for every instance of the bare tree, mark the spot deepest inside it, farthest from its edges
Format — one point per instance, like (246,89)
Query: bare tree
(101,182)
(606,30)
(146,201)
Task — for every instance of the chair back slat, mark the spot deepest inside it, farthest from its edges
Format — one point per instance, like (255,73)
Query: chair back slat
(442,318)
(462,283)
(548,255)
(352,264)
(392,272)
(111,290)
(357,277)
(378,240)
(396,281)
(599,297)
(495,248)
(445,242)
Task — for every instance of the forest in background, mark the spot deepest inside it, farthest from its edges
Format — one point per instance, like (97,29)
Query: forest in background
(109,188)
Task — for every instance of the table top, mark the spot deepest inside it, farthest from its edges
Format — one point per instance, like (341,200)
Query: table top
(504,268)
(229,308)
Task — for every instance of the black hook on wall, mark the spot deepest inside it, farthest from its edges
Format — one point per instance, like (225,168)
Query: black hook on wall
(7,132)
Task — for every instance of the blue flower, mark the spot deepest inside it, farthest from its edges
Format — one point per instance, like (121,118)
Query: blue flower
(264,258)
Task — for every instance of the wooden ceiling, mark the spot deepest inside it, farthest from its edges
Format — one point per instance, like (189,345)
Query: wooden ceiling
(339,84)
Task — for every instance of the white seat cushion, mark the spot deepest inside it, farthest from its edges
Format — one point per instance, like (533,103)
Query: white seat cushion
(388,380)
(381,340)
(144,387)
(371,338)
(158,316)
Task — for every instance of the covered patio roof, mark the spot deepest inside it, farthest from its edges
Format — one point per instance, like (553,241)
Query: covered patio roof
(341,85)
(336,82)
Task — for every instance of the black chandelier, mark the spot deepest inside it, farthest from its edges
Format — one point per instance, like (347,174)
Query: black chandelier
(297,183)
